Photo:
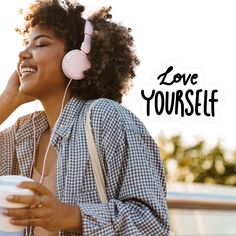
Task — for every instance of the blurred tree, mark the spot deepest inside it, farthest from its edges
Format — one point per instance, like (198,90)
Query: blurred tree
(196,163)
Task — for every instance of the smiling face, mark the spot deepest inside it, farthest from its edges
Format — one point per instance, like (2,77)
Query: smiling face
(39,65)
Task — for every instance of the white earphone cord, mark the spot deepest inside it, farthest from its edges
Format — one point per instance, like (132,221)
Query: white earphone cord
(34,141)
(49,143)
(53,131)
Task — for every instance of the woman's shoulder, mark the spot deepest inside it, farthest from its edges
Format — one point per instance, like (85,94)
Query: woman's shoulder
(109,111)
(26,121)
(21,121)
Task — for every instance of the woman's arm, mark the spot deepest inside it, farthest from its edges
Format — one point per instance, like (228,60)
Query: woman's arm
(6,107)
(136,192)
(11,98)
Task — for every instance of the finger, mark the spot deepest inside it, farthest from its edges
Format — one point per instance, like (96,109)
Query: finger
(16,73)
(28,200)
(35,186)
(25,212)
(27,222)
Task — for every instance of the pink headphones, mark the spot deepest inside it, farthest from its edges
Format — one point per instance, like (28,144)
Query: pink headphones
(76,61)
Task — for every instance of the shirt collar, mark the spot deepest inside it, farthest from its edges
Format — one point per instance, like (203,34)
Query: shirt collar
(62,128)
(26,126)
(67,119)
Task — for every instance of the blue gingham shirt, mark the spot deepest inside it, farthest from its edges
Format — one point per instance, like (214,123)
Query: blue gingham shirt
(130,159)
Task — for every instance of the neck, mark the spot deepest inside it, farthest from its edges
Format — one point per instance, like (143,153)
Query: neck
(52,107)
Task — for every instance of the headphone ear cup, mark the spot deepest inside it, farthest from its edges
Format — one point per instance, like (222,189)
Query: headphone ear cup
(74,63)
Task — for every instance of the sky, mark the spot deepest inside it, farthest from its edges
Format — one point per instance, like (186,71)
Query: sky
(195,37)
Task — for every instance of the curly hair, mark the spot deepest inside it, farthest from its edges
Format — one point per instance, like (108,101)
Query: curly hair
(112,56)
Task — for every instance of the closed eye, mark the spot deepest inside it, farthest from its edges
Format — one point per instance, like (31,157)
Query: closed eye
(41,45)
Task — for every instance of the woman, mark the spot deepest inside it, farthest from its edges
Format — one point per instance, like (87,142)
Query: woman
(67,199)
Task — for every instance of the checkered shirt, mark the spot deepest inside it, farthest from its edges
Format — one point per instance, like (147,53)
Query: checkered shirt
(130,159)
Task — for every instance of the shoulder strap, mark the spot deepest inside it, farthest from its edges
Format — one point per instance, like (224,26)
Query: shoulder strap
(96,165)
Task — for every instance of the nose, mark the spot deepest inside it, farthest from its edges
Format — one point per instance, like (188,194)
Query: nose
(24,54)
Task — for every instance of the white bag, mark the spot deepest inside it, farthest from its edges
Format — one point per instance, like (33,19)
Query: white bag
(96,165)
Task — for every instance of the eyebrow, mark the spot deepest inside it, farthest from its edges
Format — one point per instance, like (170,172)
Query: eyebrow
(40,36)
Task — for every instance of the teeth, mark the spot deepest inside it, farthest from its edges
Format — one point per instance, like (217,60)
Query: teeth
(26,70)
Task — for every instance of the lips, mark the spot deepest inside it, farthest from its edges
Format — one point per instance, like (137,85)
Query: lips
(26,69)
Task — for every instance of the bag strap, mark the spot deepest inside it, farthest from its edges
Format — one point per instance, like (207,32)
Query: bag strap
(95,161)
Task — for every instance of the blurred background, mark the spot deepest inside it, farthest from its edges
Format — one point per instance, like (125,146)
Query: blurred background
(195,36)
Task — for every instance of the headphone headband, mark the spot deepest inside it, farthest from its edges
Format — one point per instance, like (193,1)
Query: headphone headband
(88,30)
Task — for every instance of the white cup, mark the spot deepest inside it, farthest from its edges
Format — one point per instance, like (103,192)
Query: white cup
(8,187)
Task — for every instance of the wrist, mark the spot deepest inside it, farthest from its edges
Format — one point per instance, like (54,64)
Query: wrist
(9,100)
(7,106)
(73,219)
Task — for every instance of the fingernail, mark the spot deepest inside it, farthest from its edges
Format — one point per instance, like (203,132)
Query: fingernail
(5,211)
(10,197)
(12,221)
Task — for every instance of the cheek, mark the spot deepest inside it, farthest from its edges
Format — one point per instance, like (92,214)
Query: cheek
(49,61)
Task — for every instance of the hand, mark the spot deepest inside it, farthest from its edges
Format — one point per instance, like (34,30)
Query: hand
(12,91)
(11,98)
(49,213)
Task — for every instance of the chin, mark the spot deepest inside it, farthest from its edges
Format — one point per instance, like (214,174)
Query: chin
(26,89)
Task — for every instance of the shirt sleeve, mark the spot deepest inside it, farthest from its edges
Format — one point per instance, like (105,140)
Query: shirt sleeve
(7,151)
(8,159)
(135,185)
